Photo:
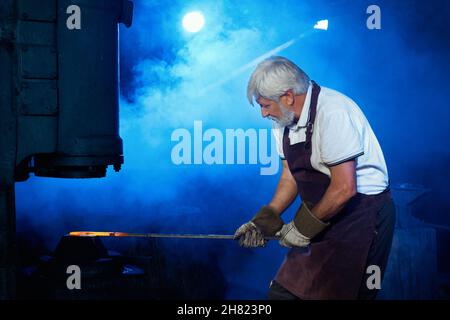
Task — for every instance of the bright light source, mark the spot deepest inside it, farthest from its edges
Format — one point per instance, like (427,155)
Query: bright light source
(193,21)
(321,25)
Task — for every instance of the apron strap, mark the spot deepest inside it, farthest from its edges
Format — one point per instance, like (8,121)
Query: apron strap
(312,114)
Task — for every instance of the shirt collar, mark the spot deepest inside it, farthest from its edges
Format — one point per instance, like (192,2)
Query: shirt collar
(301,123)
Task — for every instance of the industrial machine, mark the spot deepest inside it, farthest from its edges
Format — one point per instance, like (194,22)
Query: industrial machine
(59,88)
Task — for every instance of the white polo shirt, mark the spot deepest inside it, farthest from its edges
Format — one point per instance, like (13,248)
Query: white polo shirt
(341,132)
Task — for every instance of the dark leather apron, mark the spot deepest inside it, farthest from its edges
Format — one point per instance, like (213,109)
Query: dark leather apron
(333,266)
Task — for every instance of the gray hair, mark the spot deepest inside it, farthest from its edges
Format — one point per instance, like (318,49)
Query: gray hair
(273,77)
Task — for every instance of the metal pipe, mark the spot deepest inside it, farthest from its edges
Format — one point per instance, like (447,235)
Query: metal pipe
(153,235)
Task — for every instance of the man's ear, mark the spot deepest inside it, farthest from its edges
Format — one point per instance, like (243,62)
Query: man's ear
(288,98)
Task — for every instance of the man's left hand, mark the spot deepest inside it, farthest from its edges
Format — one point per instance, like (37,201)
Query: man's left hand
(290,236)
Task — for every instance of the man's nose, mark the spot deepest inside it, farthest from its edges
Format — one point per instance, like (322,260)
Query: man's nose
(264,112)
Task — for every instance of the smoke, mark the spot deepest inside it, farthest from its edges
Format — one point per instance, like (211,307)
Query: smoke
(395,74)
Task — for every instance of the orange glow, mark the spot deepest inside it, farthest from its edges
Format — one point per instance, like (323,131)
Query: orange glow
(97,234)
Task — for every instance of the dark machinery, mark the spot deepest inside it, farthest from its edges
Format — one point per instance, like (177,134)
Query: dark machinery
(58,99)
(155,268)
(104,274)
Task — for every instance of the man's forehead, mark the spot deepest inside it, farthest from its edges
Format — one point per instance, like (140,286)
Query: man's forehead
(262,100)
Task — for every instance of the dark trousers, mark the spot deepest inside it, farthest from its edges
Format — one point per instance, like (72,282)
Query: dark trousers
(378,255)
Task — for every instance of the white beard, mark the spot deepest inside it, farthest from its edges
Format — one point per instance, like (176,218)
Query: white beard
(287,117)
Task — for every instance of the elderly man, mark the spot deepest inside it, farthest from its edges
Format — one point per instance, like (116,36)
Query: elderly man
(332,159)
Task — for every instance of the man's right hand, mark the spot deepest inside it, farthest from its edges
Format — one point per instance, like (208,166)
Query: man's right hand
(266,223)
(250,236)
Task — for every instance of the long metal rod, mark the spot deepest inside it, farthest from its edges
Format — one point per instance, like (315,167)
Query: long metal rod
(152,235)
(187,236)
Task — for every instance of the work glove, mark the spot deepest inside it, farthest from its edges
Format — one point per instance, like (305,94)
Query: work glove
(250,236)
(263,225)
(302,229)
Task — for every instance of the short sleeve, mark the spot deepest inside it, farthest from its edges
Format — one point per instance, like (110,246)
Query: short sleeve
(277,133)
(341,139)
